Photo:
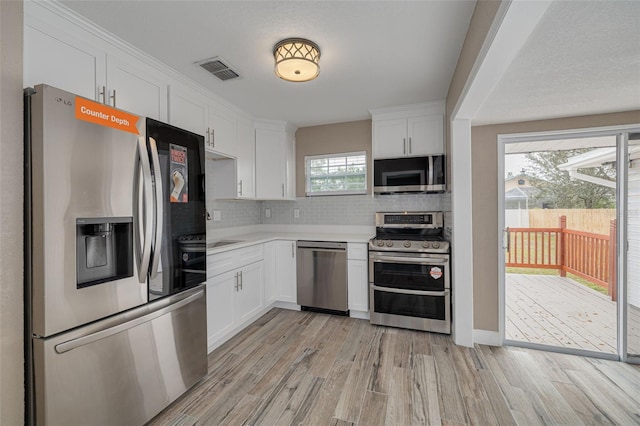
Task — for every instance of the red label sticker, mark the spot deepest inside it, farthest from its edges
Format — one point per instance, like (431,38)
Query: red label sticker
(435,272)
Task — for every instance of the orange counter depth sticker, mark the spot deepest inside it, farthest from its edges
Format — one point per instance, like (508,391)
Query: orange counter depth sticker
(104,115)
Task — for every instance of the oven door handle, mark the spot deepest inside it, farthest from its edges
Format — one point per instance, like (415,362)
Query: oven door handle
(414,260)
(414,292)
(202,249)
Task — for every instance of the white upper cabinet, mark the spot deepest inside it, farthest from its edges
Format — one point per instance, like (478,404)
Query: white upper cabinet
(426,135)
(410,131)
(246,158)
(275,166)
(390,138)
(73,59)
(190,110)
(222,130)
(136,87)
(56,59)
(270,164)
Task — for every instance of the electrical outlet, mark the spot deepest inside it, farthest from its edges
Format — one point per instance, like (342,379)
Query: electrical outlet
(267,212)
(296,213)
(217,215)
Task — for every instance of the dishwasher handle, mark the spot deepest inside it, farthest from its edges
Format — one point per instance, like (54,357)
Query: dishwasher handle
(327,245)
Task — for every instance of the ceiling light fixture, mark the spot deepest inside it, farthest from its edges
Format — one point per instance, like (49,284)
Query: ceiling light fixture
(297,59)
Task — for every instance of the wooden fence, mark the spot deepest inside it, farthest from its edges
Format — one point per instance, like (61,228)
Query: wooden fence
(588,220)
(588,255)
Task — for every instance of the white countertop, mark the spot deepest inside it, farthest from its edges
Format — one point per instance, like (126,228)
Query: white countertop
(253,237)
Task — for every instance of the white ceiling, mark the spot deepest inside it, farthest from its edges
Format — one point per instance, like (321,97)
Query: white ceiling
(582,58)
(374,54)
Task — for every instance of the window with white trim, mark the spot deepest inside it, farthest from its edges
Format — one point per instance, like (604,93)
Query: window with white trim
(336,174)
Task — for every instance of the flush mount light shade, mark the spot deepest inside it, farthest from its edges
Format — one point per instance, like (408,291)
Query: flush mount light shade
(297,59)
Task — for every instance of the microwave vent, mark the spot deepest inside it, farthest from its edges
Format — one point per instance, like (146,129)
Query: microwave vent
(219,68)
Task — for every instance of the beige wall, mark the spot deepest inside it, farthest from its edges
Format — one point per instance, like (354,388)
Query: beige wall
(11,246)
(351,136)
(484,148)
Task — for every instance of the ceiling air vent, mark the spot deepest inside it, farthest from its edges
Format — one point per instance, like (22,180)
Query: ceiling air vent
(219,68)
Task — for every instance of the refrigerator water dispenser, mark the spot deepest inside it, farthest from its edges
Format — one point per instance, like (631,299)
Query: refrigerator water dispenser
(104,250)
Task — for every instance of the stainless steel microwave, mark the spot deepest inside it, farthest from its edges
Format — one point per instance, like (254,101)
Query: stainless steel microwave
(409,174)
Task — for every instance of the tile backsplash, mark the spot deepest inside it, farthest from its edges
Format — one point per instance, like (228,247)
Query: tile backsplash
(355,210)
(346,209)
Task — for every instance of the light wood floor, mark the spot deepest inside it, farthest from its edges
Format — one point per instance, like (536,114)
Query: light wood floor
(559,311)
(305,368)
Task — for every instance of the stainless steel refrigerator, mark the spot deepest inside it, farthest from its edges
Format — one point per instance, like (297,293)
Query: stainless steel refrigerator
(114,301)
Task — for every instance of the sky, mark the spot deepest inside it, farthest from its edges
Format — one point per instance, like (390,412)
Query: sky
(514,163)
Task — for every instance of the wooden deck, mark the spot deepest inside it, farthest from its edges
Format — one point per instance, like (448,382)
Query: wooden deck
(559,311)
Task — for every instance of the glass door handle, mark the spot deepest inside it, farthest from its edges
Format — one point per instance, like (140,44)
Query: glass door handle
(506,238)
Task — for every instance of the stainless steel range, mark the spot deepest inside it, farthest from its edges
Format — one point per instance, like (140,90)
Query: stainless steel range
(409,280)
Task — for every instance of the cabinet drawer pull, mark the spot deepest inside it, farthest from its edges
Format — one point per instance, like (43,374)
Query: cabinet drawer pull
(103,94)
(113,97)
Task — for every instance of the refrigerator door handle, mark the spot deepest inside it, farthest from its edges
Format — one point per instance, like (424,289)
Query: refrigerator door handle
(144,211)
(119,328)
(157,240)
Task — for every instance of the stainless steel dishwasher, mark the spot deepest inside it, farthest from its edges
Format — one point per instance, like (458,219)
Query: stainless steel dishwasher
(322,276)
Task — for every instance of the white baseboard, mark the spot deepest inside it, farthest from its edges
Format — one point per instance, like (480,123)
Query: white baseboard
(359,314)
(286,305)
(486,337)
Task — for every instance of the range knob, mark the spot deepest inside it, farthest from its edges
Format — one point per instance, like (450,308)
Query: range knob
(380,243)
(435,245)
(425,244)
(407,244)
(389,243)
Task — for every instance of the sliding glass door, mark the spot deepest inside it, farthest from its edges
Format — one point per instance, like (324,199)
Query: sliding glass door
(570,209)
(560,213)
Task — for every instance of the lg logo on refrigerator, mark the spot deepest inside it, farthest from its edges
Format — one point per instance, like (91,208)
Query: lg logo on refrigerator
(63,101)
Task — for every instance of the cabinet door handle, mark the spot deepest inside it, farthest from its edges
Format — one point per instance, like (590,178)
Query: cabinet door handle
(404,146)
(283,190)
(409,144)
(240,185)
(235,284)
(103,94)
(241,280)
(113,97)
(213,138)
(293,250)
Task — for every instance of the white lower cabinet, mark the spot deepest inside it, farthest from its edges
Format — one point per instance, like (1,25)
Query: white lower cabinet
(235,288)
(281,280)
(358,277)
(249,289)
(220,306)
